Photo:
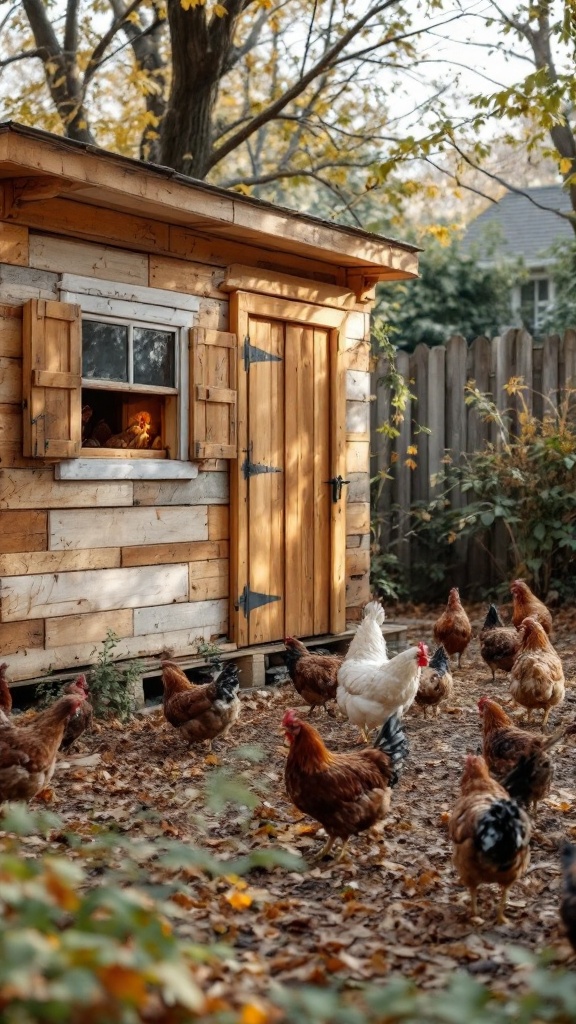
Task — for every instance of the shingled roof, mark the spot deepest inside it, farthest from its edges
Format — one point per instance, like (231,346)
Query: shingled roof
(520,227)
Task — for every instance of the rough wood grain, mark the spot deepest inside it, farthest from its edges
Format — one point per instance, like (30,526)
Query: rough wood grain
(158,554)
(23,488)
(23,531)
(37,562)
(123,527)
(68,629)
(69,593)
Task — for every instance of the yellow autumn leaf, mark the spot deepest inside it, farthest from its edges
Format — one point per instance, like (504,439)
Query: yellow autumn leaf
(238,900)
(565,165)
(124,983)
(253,1014)
(410,463)
(219,11)
(412,449)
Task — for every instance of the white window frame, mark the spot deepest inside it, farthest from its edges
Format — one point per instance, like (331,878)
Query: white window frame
(133,304)
(537,311)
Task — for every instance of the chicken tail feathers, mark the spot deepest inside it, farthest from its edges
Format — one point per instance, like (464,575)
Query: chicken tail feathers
(439,661)
(492,620)
(520,779)
(374,610)
(501,832)
(568,861)
(392,740)
(228,683)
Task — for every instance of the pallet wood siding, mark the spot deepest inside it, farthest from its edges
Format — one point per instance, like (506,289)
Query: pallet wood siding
(438,376)
(78,557)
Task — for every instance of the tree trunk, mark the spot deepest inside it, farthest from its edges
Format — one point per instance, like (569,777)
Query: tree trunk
(200,54)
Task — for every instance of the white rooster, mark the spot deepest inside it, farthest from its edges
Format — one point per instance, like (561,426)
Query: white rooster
(371,687)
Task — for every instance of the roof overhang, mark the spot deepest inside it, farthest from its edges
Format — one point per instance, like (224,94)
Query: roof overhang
(40,166)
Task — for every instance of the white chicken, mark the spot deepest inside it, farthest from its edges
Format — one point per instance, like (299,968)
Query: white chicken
(371,687)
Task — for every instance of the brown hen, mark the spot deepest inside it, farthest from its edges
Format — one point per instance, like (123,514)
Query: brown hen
(28,752)
(201,712)
(435,682)
(453,629)
(490,834)
(346,793)
(315,676)
(537,678)
(520,760)
(526,605)
(81,721)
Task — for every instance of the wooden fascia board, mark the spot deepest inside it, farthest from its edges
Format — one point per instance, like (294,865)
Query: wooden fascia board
(158,195)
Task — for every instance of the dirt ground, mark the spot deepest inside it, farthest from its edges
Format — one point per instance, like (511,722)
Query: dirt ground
(393,905)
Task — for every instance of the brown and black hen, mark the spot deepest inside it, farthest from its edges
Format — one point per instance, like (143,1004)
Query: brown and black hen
(315,676)
(201,712)
(499,644)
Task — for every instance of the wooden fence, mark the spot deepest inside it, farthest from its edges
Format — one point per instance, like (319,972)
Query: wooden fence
(437,380)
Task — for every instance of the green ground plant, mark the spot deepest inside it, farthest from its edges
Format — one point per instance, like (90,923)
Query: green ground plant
(111,684)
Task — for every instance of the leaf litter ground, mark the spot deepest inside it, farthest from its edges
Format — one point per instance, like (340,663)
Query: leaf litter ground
(391,907)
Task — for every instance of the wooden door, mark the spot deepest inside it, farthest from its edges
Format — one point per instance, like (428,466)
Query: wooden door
(285,552)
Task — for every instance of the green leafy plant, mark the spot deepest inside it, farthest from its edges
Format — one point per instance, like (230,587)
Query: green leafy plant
(525,480)
(111,683)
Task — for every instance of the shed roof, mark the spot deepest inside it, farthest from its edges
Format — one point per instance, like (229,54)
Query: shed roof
(527,224)
(45,165)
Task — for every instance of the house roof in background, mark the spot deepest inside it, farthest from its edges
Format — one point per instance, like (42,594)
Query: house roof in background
(526,230)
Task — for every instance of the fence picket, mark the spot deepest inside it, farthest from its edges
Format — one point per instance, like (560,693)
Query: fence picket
(438,376)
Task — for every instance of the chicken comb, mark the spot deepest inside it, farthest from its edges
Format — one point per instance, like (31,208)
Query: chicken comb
(482,703)
(290,717)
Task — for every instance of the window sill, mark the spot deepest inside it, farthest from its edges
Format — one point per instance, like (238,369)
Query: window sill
(125,469)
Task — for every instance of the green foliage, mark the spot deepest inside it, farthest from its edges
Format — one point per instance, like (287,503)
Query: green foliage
(453,295)
(525,481)
(111,682)
(74,951)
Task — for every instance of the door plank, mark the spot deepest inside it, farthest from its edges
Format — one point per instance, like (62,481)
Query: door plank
(322,495)
(266,490)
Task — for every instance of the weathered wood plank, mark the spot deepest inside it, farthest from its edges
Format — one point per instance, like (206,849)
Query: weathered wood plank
(568,374)
(13,244)
(36,488)
(64,631)
(17,284)
(358,418)
(206,489)
(123,468)
(21,636)
(10,380)
(189,615)
(88,259)
(550,368)
(358,357)
(357,562)
(69,593)
(358,518)
(31,663)
(357,591)
(37,562)
(11,331)
(218,522)
(185,276)
(359,487)
(158,554)
(357,456)
(124,527)
(243,278)
(23,531)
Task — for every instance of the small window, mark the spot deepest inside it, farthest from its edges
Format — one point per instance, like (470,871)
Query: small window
(129,388)
(535,299)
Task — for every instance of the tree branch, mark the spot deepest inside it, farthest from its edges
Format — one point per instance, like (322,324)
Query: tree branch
(323,64)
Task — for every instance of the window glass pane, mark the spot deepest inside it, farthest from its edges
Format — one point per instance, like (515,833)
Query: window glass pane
(527,293)
(543,290)
(104,350)
(153,357)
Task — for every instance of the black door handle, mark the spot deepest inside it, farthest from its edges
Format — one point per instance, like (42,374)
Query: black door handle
(337,483)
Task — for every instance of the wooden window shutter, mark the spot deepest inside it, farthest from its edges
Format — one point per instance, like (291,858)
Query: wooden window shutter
(213,392)
(52,381)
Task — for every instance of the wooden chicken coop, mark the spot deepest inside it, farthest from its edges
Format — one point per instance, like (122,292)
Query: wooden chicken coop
(184,411)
